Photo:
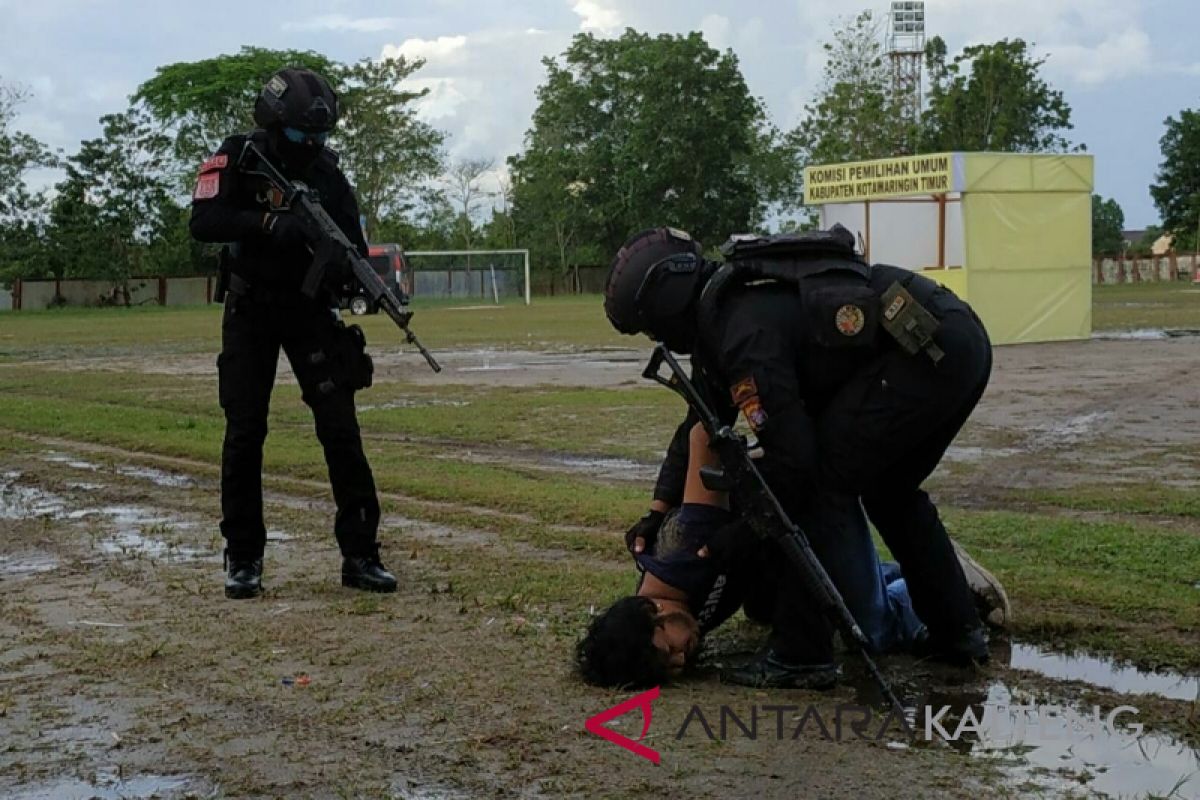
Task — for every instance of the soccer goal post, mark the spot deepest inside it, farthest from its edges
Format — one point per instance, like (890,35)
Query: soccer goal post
(487,274)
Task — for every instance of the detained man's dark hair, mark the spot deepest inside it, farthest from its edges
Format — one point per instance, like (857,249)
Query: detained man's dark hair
(618,648)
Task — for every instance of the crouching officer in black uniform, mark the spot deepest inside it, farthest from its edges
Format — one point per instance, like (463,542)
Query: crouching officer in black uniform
(263,266)
(854,378)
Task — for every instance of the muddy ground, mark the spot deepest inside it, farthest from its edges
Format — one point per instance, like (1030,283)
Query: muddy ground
(125,673)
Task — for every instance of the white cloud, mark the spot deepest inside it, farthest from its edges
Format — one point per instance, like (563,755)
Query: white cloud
(343,23)
(1118,56)
(716,30)
(597,17)
(440,50)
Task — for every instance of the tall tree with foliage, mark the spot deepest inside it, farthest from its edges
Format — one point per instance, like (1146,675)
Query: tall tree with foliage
(386,151)
(638,131)
(204,101)
(1176,190)
(856,114)
(22,211)
(1108,225)
(116,209)
(992,97)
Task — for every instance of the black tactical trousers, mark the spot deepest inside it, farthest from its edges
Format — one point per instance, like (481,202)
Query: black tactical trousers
(252,332)
(884,434)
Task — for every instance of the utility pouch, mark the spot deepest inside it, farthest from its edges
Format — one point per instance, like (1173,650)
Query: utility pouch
(909,322)
(222,286)
(357,365)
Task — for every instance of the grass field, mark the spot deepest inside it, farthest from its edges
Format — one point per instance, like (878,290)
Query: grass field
(503,518)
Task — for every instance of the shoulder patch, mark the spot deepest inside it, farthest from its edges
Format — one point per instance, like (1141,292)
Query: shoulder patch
(743,391)
(208,186)
(219,161)
(745,397)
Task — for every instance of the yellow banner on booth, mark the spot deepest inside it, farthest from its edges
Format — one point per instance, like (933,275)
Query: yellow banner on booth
(930,173)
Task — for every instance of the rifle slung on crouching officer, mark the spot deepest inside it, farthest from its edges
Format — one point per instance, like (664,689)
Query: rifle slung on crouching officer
(762,510)
(332,247)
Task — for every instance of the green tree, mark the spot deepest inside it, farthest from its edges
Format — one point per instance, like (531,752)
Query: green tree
(204,101)
(385,149)
(116,210)
(1144,245)
(638,131)
(1108,223)
(992,97)
(22,211)
(856,114)
(1176,191)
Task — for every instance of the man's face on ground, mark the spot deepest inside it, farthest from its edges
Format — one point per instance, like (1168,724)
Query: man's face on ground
(677,637)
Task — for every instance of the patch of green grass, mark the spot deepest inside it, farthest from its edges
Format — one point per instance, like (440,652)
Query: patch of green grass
(1123,588)
(1141,498)
(1145,305)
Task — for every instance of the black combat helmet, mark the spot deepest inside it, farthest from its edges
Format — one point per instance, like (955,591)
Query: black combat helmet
(653,284)
(297,98)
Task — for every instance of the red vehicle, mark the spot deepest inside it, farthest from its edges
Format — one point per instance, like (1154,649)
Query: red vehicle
(390,264)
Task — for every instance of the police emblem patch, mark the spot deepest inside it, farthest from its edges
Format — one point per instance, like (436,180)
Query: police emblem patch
(208,186)
(755,416)
(850,320)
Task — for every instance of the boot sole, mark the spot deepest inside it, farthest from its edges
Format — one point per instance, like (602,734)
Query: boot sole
(242,594)
(353,583)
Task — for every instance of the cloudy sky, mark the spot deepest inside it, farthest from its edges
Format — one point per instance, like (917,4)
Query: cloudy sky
(1124,65)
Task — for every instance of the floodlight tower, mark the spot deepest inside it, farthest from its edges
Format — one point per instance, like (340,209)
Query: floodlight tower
(906,49)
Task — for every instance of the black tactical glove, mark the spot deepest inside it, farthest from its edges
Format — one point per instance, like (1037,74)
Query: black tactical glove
(645,529)
(285,231)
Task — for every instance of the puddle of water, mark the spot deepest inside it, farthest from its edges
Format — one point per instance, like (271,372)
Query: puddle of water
(414,403)
(84,486)
(971,454)
(1069,430)
(405,789)
(71,461)
(1061,749)
(111,786)
(27,564)
(26,502)
(127,542)
(157,476)
(1104,673)
(1147,334)
(622,468)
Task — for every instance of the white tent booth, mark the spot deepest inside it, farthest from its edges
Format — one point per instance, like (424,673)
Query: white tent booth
(1010,233)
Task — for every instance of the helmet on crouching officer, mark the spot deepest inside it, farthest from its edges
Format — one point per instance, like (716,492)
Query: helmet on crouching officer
(654,283)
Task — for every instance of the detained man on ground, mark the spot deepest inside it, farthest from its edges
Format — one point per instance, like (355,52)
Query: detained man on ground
(704,564)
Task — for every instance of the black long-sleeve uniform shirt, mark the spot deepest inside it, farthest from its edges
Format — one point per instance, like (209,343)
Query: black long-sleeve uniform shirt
(230,206)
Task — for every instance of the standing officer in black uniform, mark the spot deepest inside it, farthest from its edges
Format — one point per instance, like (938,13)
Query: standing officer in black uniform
(855,379)
(266,259)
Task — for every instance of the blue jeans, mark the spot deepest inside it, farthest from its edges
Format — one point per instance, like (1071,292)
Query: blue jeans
(874,592)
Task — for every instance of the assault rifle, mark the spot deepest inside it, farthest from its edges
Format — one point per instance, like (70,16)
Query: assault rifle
(761,509)
(332,247)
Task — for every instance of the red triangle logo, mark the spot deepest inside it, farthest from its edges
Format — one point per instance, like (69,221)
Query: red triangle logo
(643,701)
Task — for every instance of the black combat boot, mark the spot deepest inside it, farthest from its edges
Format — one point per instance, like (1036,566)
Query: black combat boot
(970,649)
(367,572)
(243,577)
(770,672)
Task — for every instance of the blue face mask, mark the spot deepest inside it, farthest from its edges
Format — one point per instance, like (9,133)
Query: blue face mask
(297,136)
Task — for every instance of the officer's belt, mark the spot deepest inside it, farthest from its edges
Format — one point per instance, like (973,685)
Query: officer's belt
(243,288)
